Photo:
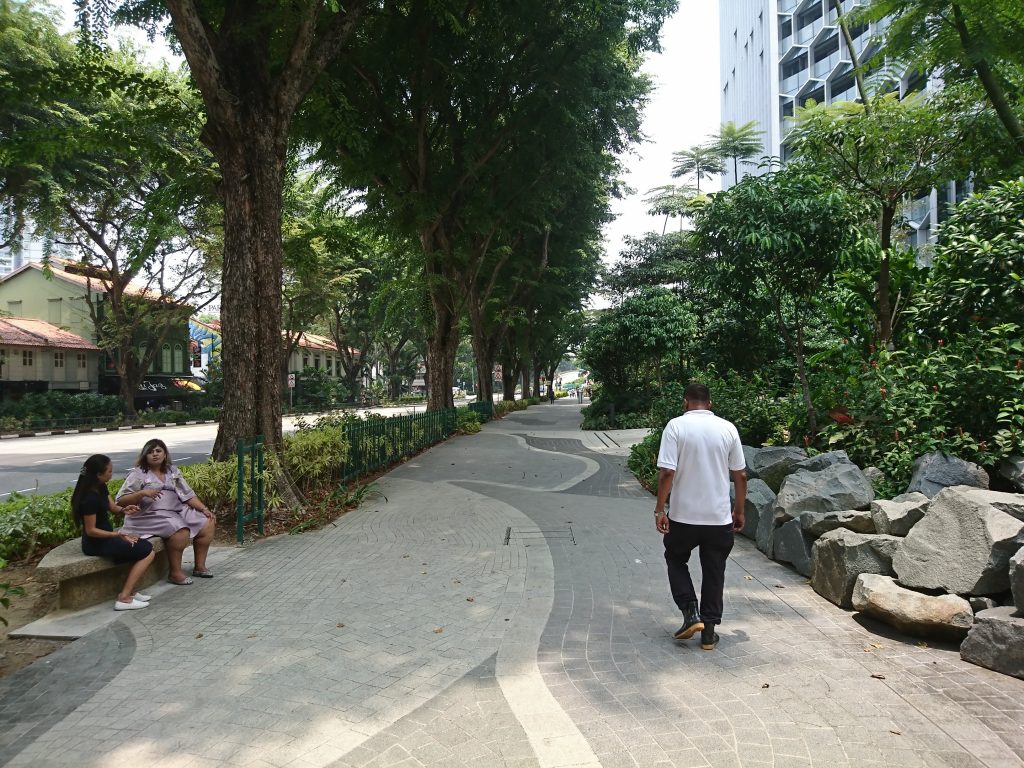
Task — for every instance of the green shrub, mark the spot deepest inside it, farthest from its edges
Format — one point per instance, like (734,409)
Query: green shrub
(28,523)
(207,413)
(166,417)
(962,396)
(10,424)
(468,423)
(7,592)
(643,460)
(40,408)
(316,456)
(216,482)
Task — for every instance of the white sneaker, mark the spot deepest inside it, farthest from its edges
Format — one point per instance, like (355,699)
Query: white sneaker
(134,605)
(142,597)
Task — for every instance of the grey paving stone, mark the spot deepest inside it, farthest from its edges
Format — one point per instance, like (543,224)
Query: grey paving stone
(284,684)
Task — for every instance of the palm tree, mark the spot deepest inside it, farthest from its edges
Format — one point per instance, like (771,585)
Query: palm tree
(668,201)
(700,161)
(737,143)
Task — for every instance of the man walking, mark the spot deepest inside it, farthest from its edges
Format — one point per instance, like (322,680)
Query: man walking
(699,454)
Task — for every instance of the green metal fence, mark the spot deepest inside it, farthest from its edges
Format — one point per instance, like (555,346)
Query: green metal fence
(250,462)
(484,410)
(377,442)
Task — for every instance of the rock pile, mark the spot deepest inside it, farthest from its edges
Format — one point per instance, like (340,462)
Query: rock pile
(945,559)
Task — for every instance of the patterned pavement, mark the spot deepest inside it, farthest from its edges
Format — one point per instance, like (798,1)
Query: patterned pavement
(409,633)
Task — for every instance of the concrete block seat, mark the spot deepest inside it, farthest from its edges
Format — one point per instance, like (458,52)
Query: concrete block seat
(84,580)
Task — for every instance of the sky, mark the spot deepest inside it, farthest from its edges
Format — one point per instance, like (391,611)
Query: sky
(683,110)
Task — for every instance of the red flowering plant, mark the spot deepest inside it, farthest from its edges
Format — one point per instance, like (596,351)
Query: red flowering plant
(963,397)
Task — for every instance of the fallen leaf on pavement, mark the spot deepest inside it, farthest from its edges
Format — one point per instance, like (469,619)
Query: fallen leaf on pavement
(879,677)
(749,578)
(439,630)
(470,599)
(199,635)
(780,586)
(896,733)
(339,625)
(765,685)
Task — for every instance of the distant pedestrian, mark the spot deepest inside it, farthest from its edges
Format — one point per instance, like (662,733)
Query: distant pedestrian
(579,394)
(551,394)
(699,453)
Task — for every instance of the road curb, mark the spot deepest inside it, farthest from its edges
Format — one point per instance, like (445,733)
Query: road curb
(83,430)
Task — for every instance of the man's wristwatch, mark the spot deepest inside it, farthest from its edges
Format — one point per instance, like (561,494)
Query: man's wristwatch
(657,513)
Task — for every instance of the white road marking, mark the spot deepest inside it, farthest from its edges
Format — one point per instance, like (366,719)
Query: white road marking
(23,490)
(62,458)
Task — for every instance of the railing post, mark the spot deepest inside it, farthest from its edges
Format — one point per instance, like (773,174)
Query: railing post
(240,495)
(259,485)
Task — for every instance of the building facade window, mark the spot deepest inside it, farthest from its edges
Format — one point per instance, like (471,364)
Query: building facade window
(14,307)
(58,359)
(178,359)
(165,359)
(53,311)
(3,361)
(83,360)
(305,361)
(27,358)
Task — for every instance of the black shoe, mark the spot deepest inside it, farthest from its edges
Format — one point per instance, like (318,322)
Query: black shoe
(691,623)
(709,638)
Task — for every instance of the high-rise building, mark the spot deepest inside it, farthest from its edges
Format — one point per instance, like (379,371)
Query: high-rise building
(778,54)
(11,260)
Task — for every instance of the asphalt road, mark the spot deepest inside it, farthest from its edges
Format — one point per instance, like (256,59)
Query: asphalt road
(51,463)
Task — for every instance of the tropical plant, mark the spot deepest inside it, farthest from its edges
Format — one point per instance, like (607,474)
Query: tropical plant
(738,143)
(979,38)
(700,161)
(883,152)
(773,242)
(977,276)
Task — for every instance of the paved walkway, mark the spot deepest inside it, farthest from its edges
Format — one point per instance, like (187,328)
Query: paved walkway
(504,603)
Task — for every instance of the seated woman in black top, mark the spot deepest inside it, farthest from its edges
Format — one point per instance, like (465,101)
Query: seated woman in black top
(90,503)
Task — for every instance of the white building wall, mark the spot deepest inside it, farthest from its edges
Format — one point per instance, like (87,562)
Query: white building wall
(749,75)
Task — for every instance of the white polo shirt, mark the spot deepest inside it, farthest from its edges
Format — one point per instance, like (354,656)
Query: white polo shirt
(702,449)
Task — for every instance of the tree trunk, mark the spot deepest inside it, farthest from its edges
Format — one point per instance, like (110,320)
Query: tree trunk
(797,349)
(536,381)
(884,319)
(858,72)
(442,345)
(394,379)
(253,172)
(129,387)
(508,382)
(525,371)
(485,377)
(993,89)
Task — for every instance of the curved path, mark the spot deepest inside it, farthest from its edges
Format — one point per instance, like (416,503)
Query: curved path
(502,603)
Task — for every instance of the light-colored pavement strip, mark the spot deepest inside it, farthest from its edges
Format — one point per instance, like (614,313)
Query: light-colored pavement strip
(409,633)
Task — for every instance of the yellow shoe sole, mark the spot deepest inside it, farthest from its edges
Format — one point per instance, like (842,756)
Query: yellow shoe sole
(689,632)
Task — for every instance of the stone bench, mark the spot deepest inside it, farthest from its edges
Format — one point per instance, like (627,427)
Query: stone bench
(84,580)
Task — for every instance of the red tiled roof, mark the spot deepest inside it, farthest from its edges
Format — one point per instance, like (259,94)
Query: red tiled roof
(312,341)
(26,332)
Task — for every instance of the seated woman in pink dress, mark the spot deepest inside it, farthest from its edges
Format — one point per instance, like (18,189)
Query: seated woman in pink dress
(168,508)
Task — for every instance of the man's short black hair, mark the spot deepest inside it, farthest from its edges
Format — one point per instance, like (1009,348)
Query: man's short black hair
(697,393)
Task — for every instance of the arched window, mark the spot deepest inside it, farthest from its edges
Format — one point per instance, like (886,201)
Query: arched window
(165,359)
(178,366)
(143,349)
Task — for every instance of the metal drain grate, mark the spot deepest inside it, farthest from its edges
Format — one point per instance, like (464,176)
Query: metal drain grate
(564,533)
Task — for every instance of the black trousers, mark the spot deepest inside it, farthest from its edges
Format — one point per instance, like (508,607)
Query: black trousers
(713,543)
